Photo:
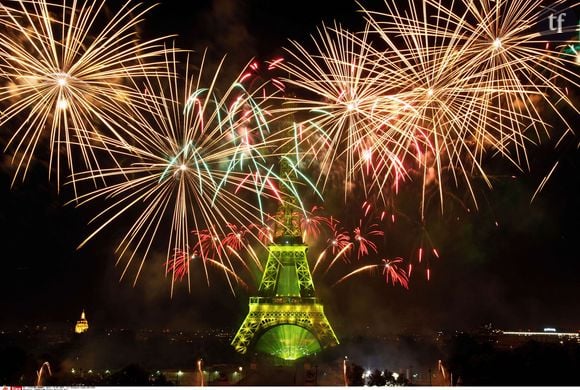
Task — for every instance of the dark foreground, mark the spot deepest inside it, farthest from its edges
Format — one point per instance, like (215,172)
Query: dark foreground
(124,357)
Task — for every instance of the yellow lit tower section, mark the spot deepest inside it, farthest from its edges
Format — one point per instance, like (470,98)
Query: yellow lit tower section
(82,325)
(285,319)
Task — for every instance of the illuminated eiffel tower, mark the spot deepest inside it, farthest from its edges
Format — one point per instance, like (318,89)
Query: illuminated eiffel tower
(285,319)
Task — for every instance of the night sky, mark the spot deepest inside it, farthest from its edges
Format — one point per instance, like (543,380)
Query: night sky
(522,273)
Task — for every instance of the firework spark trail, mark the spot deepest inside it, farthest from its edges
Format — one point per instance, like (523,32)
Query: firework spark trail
(544,181)
(341,243)
(343,253)
(189,170)
(265,233)
(208,242)
(394,273)
(64,77)
(390,269)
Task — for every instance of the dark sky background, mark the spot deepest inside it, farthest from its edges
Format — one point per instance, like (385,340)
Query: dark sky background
(524,273)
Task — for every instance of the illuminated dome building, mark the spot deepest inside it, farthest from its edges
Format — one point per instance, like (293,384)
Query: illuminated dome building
(82,325)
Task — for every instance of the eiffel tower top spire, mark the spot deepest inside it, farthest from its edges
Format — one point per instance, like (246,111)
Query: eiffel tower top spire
(287,229)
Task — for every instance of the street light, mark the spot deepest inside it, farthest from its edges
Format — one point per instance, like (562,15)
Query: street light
(179,375)
(199,368)
(344,370)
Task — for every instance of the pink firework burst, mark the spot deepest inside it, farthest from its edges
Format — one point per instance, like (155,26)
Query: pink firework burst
(208,243)
(340,238)
(178,264)
(391,269)
(236,238)
(313,223)
(364,239)
(394,273)
(262,77)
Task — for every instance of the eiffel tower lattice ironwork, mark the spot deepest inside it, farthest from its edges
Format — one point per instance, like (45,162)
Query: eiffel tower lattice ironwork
(285,319)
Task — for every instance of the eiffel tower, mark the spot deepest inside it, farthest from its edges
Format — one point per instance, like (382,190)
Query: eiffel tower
(285,319)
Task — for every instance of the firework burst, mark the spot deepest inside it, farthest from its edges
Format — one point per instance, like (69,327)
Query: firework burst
(64,77)
(312,224)
(475,72)
(363,239)
(514,58)
(443,88)
(178,267)
(353,116)
(189,167)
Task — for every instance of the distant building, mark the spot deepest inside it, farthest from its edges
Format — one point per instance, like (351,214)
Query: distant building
(82,325)
(548,335)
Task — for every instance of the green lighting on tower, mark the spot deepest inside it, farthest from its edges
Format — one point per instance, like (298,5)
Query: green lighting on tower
(288,342)
(285,319)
